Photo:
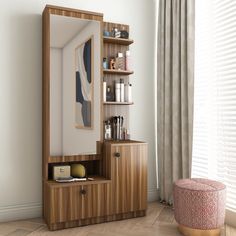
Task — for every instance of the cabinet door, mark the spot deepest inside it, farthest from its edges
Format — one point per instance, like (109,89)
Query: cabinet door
(79,202)
(129,178)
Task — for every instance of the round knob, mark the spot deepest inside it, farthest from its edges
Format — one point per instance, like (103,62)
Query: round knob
(117,154)
(83,191)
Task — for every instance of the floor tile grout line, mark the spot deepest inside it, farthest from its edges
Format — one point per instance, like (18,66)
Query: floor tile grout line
(158,215)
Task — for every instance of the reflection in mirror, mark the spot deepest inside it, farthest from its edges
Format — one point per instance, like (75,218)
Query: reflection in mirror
(75,52)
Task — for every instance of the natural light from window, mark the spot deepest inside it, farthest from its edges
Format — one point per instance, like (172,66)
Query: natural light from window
(214,138)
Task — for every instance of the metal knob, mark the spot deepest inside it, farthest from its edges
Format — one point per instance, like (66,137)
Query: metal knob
(117,154)
(83,191)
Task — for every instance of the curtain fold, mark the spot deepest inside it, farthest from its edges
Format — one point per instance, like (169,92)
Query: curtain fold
(175,76)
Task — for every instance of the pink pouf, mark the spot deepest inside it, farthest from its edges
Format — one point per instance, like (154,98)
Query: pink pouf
(199,204)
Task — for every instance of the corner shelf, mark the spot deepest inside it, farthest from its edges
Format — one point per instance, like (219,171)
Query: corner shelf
(118,103)
(118,72)
(120,41)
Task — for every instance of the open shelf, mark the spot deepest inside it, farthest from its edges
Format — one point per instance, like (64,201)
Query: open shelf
(74,158)
(97,180)
(118,103)
(118,72)
(117,41)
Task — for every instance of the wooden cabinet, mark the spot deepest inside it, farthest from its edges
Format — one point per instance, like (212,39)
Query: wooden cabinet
(76,202)
(120,193)
(118,168)
(128,163)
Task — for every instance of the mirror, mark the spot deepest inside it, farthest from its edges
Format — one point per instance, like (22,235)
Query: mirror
(75,71)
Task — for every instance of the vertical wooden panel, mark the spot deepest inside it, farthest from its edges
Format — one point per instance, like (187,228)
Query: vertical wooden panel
(46,90)
(129,177)
(68,203)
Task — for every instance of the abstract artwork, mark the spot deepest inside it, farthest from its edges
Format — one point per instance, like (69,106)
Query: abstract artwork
(84,85)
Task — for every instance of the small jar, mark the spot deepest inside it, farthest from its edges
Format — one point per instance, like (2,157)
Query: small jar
(105,63)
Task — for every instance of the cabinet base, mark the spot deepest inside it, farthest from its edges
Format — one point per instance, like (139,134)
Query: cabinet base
(96,220)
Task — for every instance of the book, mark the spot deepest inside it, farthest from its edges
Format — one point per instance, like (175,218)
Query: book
(70,179)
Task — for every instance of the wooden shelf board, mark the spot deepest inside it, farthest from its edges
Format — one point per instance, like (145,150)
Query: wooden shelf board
(97,180)
(117,40)
(125,142)
(74,158)
(118,103)
(119,72)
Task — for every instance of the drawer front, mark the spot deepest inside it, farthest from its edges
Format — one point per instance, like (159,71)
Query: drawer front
(79,202)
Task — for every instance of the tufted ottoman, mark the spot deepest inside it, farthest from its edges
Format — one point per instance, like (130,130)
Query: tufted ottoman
(199,206)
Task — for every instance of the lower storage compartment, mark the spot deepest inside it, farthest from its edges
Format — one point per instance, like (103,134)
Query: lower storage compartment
(69,203)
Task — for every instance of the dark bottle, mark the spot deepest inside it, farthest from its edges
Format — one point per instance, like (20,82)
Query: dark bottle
(109,95)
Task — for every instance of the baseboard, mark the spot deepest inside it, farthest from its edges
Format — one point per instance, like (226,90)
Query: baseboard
(20,212)
(153,195)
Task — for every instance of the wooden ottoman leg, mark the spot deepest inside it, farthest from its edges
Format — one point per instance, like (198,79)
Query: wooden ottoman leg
(198,232)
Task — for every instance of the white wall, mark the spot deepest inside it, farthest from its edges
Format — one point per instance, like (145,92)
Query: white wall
(21,93)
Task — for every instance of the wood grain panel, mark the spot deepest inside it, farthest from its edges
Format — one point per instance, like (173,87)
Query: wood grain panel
(106,160)
(79,202)
(96,220)
(46,92)
(117,40)
(118,103)
(117,72)
(64,11)
(74,158)
(97,180)
(129,178)
(109,25)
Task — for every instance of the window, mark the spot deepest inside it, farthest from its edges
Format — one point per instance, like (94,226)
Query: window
(214,135)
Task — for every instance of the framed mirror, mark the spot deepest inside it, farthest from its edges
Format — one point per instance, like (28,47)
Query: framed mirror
(75,84)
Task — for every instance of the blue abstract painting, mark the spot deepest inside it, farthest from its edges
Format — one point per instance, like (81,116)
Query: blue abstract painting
(84,85)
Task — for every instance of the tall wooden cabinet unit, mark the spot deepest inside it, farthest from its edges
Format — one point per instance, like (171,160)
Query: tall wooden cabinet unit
(119,169)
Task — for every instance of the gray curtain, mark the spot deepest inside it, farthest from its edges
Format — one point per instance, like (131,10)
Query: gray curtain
(175,77)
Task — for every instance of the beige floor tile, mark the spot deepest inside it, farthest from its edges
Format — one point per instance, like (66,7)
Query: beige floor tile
(230,231)
(166,215)
(19,232)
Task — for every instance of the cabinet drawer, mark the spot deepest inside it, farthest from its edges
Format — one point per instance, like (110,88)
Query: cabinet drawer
(79,202)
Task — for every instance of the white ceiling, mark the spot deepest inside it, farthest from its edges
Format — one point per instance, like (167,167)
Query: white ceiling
(63,29)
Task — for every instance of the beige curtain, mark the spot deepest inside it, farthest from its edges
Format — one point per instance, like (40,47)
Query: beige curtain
(174,92)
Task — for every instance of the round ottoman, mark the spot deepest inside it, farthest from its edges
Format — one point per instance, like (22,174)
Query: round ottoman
(199,206)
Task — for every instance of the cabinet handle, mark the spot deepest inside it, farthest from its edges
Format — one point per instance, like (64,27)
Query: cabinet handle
(83,191)
(117,154)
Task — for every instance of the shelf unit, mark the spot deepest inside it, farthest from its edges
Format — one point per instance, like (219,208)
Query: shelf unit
(117,41)
(117,72)
(118,103)
(74,158)
(97,180)
(111,46)
(115,193)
